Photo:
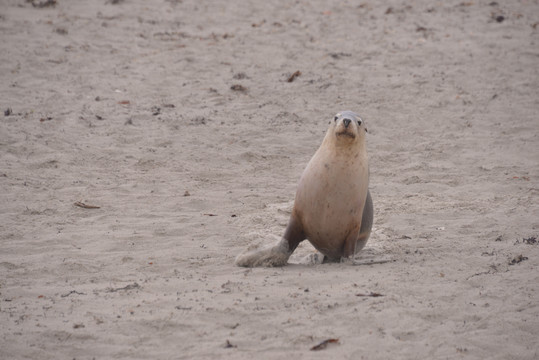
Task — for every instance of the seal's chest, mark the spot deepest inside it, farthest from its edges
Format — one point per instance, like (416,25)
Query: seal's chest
(342,178)
(332,193)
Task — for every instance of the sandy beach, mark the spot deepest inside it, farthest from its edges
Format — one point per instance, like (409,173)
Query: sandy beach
(145,144)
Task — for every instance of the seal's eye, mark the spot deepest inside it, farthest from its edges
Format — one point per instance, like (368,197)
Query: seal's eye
(335,118)
(359,123)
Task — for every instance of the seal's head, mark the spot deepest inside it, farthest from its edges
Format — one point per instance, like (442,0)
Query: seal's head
(347,125)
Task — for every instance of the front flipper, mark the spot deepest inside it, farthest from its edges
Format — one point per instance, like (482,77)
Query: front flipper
(315,258)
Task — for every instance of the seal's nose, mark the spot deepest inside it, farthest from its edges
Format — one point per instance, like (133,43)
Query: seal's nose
(346,122)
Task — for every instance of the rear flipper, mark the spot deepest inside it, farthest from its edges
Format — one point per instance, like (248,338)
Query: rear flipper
(276,255)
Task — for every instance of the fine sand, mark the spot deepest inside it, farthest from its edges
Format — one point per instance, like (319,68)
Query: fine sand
(177,120)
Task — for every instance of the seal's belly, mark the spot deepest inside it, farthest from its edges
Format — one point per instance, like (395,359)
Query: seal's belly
(329,223)
(331,204)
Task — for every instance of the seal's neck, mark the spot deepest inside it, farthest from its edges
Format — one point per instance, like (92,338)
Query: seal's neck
(342,145)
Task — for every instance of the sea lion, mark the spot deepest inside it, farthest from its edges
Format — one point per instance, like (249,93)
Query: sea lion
(333,206)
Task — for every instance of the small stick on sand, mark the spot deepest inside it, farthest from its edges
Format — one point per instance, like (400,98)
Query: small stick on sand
(86,206)
(372,294)
(370,262)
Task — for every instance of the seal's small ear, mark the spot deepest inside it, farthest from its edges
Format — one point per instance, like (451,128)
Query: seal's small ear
(366,130)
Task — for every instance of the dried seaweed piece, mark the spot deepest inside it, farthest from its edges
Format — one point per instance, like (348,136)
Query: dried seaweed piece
(324,344)
(73,292)
(238,87)
(61,31)
(127,287)
(517,259)
(42,4)
(258,24)
(294,76)
(530,241)
(372,294)
(86,206)
(156,110)
(339,55)
(240,76)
